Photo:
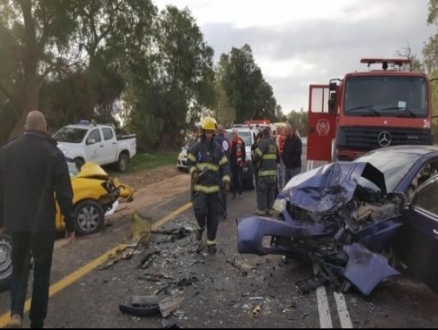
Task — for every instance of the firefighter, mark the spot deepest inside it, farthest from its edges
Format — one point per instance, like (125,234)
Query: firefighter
(258,139)
(209,168)
(267,154)
(226,146)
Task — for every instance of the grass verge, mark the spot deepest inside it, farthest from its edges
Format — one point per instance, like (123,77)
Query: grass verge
(148,161)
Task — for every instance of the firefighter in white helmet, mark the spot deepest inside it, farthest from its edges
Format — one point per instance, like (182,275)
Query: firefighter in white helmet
(209,169)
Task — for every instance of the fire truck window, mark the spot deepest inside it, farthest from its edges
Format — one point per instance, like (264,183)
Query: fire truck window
(320,97)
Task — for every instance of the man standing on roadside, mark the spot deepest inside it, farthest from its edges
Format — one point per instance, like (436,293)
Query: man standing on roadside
(225,144)
(32,171)
(291,154)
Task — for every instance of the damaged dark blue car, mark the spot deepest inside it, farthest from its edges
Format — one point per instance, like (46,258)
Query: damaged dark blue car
(342,217)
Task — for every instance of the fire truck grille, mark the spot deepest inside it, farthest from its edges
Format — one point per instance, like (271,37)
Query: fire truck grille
(367,138)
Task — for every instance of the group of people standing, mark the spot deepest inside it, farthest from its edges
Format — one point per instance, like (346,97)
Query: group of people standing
(215,164)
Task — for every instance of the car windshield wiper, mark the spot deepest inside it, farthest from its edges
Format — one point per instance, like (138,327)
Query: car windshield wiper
(411,114)
(365,107)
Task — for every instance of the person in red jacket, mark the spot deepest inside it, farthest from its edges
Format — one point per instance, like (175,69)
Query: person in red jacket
(237,161)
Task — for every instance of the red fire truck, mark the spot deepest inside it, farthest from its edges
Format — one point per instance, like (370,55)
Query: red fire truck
(367,110)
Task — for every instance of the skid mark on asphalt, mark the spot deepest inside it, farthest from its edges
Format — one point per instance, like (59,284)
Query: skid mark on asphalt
(73,277)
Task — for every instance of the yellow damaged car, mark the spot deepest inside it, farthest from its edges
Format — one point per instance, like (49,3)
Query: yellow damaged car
(94,193)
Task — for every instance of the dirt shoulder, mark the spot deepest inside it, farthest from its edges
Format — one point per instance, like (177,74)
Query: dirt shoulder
(152,188)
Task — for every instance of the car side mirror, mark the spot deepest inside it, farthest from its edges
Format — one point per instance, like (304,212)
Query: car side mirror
(91,141)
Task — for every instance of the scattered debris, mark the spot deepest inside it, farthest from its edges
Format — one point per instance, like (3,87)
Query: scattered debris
(170,304)
(141,306)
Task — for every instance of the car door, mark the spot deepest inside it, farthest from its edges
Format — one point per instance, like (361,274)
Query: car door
(94,147)
(109,145)
(421,233)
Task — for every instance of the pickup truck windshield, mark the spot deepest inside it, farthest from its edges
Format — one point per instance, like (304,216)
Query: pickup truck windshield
(70,135)
(245,135)
(386,96)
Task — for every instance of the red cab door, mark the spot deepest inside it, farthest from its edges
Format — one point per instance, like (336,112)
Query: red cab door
(321,125)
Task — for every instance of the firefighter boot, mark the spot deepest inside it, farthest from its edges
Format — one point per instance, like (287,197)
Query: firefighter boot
(16,322)
(199,233)
(211,249)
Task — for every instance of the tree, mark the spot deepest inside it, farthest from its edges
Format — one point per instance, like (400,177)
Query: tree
(174,83)
(247,91)
(37,27)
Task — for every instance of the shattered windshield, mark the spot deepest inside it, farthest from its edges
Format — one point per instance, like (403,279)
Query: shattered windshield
(72,169)
(393,165)
(386,96)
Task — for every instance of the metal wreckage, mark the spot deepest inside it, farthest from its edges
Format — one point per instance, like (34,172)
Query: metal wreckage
(338,216)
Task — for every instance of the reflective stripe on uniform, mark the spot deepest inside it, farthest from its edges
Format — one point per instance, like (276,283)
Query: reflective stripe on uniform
(191,157)
(259,152)
(223,161)
(207,166)
(206,189)
(268,173)
(192,169)
(211,242)
(226,178)
(270,156)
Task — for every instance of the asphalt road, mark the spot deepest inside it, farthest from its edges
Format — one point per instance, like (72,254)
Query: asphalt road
(215,293)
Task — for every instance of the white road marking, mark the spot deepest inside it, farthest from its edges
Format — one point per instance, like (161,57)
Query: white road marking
(341,305)
(325,319)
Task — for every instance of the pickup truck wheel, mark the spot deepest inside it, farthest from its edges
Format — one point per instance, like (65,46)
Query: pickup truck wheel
(90,217)
(5,262)
(79,162)
(123,162)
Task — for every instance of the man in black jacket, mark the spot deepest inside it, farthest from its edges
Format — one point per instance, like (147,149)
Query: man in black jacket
(291,154)
(32,171)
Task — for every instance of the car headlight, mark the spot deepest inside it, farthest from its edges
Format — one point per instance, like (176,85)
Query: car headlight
(279,205)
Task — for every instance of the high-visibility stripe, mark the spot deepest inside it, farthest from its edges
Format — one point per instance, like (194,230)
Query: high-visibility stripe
(223,161)
(191,157)
(270,156)
(226,178)
(211,242)
(259,152)
(192,169)
(207,166)
(206,189)
(268,173)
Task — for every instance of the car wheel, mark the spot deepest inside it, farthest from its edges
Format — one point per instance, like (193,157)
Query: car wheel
(123,162)
(5,262)
(90,217)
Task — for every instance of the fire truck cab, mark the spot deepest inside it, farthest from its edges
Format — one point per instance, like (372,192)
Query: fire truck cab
(368,110)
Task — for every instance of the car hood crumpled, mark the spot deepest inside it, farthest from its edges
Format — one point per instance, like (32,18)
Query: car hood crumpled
(92,171)
(329,187)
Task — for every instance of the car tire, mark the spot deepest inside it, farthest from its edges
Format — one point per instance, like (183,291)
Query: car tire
(5,262)
(89,217)
(122,163)
(79,162)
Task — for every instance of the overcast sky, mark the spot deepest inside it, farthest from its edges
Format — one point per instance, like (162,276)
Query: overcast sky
(299,42)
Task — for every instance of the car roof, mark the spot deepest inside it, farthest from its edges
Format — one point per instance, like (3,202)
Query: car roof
(410,149)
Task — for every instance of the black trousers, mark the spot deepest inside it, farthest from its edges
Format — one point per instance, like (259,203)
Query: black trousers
(40,247)
(206,208)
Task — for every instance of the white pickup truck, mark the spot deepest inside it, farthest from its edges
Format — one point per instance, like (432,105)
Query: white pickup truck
(96,143)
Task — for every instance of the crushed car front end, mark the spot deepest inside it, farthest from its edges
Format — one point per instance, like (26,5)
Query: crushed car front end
(338,216)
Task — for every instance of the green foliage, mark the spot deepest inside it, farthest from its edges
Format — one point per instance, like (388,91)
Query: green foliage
(247,91)
(298,120)
(72,59)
